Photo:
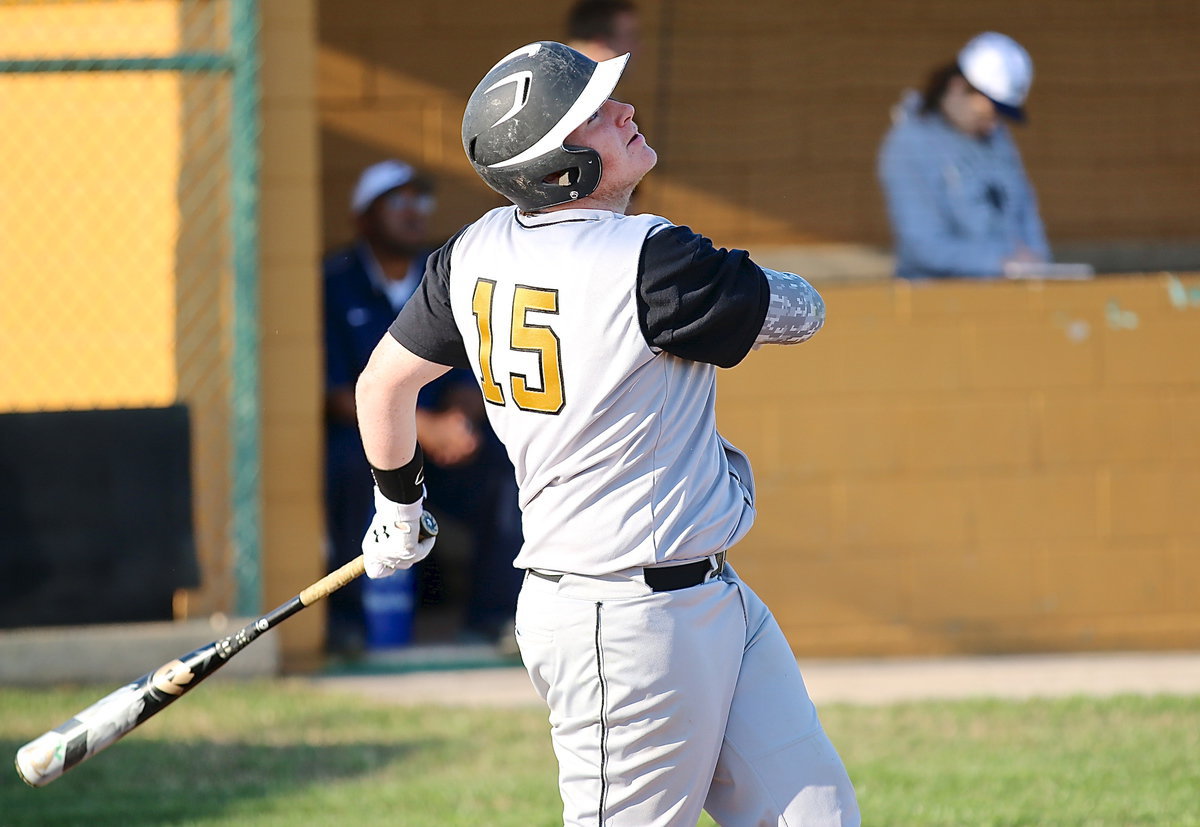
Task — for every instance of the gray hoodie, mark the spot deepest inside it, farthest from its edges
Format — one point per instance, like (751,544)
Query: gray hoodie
(958,205)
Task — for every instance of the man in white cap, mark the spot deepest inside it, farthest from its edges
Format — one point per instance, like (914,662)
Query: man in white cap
(957,195)
(365,285)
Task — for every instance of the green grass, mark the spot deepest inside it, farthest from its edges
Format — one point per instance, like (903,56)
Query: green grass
(1082,762)
(282,754)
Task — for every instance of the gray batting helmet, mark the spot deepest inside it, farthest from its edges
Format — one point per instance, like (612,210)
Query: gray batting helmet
(519,115)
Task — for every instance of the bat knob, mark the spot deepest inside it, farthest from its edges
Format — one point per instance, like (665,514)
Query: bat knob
(429,526)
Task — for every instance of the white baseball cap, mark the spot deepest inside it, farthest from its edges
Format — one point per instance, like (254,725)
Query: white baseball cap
(1001,69)
(378,179)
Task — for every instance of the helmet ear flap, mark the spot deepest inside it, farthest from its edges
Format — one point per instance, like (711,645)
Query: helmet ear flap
(589,170)
(539,184)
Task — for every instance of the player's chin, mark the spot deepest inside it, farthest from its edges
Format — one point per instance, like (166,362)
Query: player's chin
(645,155)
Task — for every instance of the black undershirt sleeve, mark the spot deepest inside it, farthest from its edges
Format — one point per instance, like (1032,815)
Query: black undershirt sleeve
(425,324)
(698,302)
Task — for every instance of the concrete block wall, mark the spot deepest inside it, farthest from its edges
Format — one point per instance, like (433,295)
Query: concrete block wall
(293,526)
(979,467)
(947,467)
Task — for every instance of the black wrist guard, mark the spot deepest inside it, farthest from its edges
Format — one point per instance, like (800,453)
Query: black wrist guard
(404,484)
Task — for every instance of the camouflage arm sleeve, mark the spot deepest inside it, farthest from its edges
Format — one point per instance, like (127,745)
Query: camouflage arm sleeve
(795,313)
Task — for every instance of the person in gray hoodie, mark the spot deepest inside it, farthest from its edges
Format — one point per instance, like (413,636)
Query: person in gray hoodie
(958,198)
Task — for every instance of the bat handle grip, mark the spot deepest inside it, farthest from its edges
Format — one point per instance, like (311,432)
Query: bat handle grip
(333,581)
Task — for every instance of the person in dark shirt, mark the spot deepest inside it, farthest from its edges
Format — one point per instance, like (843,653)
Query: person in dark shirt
(365,285)
(602,29)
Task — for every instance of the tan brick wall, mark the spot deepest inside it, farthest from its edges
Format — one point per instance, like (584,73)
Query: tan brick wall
(979,467)
(950,467)
(768,115)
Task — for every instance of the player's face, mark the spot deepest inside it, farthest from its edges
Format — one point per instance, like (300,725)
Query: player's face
(625,157)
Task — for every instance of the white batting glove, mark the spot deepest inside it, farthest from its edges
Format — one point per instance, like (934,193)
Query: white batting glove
(391,542)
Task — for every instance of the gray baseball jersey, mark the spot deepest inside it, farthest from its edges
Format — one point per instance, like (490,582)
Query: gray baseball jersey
(595,337)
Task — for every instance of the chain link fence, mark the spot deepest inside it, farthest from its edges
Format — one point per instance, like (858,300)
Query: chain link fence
(128,196)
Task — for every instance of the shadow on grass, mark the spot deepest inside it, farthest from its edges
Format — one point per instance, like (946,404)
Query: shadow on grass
(149,782)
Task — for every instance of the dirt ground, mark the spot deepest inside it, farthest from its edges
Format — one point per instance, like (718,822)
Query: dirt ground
(868,681)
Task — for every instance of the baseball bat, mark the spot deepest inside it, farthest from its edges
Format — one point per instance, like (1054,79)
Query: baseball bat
(114,716)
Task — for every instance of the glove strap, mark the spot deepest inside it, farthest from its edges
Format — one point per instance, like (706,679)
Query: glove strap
(405,484)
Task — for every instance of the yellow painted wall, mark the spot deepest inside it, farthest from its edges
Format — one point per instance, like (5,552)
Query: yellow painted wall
(86,297)
(967,467)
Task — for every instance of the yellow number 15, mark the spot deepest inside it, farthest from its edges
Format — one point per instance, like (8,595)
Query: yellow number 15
(546,395)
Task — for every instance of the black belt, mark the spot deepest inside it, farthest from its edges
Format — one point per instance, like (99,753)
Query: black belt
(668,578)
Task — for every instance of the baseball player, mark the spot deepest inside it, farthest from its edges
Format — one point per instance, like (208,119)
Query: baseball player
(595,338)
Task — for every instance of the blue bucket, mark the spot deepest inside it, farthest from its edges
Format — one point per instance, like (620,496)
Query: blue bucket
(388,605)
